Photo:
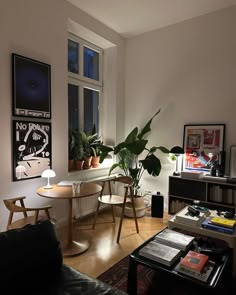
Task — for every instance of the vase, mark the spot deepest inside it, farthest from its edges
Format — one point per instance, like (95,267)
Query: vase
(70,165)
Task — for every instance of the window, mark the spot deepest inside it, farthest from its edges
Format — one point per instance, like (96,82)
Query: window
(84,84)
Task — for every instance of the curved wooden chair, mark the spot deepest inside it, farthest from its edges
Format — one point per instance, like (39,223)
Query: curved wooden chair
(116,200)
(20,208)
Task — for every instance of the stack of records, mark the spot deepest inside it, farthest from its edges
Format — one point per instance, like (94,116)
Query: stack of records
(160,253)
(174,239)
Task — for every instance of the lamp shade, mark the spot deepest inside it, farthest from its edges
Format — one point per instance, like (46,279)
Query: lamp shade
(177,150)
(48,173)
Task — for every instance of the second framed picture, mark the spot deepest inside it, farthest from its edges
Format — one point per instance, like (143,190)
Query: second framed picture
(31,149)
(202,145)
(31,83)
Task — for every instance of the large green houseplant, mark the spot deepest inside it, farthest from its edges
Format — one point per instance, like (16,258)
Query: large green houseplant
(134,157)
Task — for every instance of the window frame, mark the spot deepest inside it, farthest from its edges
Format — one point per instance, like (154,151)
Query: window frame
(85,82)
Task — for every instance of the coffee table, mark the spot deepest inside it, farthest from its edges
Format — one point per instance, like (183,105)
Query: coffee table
(135,259)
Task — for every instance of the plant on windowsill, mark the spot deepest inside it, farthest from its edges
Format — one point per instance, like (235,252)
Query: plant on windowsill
(79,156)
(71,147)
(87,140)
(134,157)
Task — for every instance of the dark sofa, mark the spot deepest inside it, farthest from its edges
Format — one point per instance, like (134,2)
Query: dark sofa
(31,263)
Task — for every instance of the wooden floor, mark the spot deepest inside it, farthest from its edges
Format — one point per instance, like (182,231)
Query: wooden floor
(104,251)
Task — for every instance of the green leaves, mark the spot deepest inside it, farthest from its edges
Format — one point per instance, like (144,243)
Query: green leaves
(129,151)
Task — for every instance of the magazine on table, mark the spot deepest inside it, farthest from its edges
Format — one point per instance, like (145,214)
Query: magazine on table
(160,253)
(176,239)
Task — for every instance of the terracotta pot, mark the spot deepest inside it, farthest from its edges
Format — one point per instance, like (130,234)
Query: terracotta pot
(95,162)
(87,162)
(70,165)
(79,164)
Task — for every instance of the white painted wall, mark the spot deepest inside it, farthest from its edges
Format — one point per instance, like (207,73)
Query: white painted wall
(38,30)
(188,70)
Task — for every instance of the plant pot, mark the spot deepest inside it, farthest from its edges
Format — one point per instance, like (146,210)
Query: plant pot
(139,206)
(87,162)
(70,165)
(95,161)
(79,164)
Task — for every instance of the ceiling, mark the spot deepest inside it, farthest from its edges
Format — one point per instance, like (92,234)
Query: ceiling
(134,17)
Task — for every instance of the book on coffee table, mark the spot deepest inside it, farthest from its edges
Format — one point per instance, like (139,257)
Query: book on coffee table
(184,216)
(194,261)
(160,253)
(174,239)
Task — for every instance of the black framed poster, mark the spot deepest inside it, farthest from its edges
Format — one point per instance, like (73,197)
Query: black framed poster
(31,81)
(31,149)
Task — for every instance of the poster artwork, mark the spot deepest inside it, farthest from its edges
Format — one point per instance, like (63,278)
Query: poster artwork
(31,149)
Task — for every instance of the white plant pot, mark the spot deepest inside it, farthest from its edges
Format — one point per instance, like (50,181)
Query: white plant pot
(139,206)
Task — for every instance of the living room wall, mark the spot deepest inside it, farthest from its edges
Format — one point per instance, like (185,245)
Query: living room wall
(38,30)
(188,70)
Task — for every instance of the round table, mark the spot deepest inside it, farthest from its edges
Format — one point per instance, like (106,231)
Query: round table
(65,192)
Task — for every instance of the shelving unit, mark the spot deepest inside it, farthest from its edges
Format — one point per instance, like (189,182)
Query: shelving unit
(211,193)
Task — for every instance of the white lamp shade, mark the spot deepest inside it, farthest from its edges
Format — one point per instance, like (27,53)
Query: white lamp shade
(48,173)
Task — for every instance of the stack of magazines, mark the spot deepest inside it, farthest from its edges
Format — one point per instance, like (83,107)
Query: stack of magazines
(160,253)
(184,216)
(174,239)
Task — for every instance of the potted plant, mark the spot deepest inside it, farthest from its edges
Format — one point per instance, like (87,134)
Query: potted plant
(79,156)
(134,156)
(87,139)
(71,148)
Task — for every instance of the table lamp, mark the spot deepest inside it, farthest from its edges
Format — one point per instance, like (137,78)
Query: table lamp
(177,151)
(48,173)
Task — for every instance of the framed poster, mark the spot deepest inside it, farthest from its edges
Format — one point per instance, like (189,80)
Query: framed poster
(31,149)
(202,145)
(31,83)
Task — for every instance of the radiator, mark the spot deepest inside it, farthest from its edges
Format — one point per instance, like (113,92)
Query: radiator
(88,205)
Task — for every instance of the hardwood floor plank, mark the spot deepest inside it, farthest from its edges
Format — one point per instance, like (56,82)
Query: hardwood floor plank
(103,251)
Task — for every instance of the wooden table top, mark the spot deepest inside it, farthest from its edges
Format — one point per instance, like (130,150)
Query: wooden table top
(65,192)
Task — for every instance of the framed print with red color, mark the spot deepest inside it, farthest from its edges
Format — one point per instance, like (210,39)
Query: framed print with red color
(202,145)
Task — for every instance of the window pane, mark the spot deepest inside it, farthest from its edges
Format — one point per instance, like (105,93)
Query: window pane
(73,106)
(73,52)
(91,64)
(91,102)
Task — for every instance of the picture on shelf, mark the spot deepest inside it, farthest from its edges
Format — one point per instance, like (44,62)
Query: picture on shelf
(31,87)
(203,146)
(31,149)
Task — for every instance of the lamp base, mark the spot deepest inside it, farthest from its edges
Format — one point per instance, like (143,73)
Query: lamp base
(48,186)
(176,173)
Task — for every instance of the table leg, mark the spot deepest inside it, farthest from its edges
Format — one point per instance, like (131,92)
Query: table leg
(132,277)
(73,247)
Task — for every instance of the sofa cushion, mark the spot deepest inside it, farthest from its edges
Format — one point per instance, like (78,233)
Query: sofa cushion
(29,255)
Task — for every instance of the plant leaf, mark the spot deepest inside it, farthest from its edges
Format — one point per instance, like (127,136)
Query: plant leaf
(132,136)
(114,166)
(137,147)
(147,127)
(152,164)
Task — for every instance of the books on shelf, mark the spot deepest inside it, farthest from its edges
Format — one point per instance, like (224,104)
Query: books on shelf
(194,174)
(160,253)
(175,239)
(230,223)
(194,261)
(207,224)
(202,276)
(185,217)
